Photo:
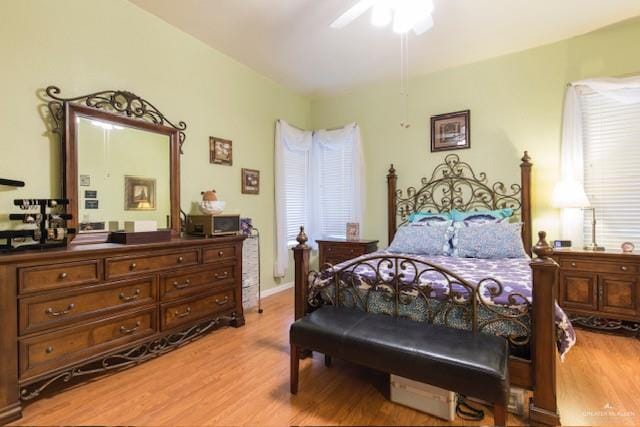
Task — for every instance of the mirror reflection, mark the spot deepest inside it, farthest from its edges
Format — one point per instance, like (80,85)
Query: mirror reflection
(123,175)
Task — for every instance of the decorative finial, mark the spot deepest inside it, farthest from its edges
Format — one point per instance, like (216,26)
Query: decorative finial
(392,170)
(302,238)
(542,249)
(526,160)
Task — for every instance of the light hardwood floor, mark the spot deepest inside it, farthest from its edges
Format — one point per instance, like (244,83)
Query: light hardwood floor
(242,378)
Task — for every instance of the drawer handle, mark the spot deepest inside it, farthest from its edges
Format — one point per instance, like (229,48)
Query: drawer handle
(48,350)
(223,302)
(221,276)
(125,298)
(624,268)
(125,331)
(63,276)
(184,313)
(133,266)
(178,285)
(573,264)
(180,260)
(221,253)
(49,311)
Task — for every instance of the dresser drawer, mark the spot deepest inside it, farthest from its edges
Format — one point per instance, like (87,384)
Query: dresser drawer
(177,285)
(197,308)
(221,253)
(58,349)
(52,310)
(128,266)
(598,267)
(53,276)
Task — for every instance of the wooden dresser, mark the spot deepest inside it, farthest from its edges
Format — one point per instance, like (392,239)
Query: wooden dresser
(600,289)
(335,251)
(83,310)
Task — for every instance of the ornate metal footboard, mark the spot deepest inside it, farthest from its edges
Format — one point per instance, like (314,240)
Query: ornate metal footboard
(394,283)
(408,287)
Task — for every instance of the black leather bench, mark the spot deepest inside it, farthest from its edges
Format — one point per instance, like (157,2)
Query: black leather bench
(473,364)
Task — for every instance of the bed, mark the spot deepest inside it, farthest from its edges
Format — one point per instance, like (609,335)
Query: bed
(514,298)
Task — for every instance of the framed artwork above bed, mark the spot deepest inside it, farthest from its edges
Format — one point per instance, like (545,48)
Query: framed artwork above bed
(451,131)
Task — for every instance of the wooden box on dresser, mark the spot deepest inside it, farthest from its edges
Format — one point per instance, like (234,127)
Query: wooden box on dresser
(600,285)
(90,308)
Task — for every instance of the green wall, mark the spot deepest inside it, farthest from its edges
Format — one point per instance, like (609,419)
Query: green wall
(516,104)
(88,45)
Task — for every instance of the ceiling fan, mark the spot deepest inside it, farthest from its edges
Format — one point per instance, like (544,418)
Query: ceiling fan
(406,15)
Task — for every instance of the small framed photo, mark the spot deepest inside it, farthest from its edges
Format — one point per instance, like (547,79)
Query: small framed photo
(220,151)
(353,231)
(139,193)
(451,131)
(250,181)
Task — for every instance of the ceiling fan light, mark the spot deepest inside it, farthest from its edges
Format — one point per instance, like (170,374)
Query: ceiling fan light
(402,21)
(423,25)
(381,15)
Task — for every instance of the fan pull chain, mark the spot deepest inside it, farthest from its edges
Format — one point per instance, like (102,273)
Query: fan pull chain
(404,79)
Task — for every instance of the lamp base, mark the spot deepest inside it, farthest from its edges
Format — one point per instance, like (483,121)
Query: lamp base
(593,247)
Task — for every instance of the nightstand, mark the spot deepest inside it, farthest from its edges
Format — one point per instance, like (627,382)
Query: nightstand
(600,290)
(335,251)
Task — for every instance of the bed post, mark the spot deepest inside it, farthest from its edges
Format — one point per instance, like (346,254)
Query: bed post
(525,208)
(543,407)
(392,180)
(301,277)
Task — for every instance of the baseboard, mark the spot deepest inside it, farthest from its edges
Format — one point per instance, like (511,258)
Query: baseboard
(276,289)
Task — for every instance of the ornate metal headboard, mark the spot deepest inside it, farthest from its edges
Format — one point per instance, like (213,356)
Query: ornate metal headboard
(454,185)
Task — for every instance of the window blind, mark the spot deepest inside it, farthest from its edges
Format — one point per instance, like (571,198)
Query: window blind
(611,132)
(336,191)
(296,166)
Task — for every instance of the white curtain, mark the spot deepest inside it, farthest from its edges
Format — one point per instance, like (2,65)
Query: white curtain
(288,138)
(624,90)
(347,138)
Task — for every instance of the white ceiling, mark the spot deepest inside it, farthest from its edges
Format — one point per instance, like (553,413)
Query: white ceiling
(290,41)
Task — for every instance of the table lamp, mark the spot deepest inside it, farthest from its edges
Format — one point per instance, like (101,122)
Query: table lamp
(570,194)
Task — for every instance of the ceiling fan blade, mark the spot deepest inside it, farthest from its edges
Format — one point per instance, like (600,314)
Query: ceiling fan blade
(352,14)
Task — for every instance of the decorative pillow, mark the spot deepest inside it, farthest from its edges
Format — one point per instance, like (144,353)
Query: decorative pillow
(481,216)
(429,217)
(422,239)
(490,240)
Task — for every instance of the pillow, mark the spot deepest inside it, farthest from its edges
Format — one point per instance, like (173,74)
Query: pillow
(489,241)
(421,239)
(481,216)
(429,217)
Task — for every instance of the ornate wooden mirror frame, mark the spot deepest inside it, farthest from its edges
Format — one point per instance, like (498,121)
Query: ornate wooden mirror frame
(120,107)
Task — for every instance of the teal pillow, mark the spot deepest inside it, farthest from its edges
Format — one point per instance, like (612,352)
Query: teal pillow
(430,217)
(457,215)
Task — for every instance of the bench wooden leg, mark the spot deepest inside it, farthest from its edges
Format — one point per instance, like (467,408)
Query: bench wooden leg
(499,414)
(295,365)
(327,360)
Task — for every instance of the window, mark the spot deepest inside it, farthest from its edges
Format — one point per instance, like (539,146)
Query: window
(296,164)
(336,191)
(611,135)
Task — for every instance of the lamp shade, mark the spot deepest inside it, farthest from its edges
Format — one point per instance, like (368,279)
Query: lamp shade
(569,194)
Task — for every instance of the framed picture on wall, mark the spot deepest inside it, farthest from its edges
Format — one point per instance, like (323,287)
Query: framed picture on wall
(250,181)
(220,151)
(139,193)
(450,131)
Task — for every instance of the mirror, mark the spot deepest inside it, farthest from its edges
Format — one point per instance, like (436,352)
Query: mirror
(123,175)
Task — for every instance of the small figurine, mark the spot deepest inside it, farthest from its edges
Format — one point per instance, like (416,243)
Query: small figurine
(210,205)
(627,247)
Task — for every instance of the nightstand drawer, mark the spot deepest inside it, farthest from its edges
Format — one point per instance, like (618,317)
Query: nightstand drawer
(338,251)
(598,267)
